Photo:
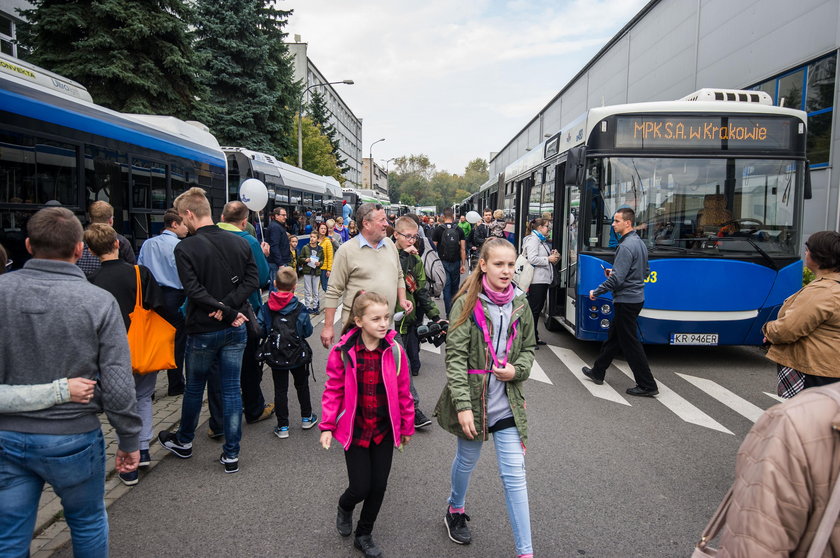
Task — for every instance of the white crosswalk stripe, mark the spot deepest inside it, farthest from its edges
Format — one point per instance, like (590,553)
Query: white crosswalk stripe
(677,404)
(774,396)
(574,364)
(538,374)
(734,402)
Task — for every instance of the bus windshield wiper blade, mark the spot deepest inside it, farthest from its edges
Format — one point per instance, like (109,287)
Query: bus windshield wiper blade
(770,261)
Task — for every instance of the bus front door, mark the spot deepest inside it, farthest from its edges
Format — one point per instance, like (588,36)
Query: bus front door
(569,222)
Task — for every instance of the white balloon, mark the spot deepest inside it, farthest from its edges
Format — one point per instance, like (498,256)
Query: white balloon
(253,194)
(473,217)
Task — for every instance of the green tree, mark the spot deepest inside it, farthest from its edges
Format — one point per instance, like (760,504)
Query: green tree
(132,55)
(320,115)
(317,151)
(252,97)
(475,174)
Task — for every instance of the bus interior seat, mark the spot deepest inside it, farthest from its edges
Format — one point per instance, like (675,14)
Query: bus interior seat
(713,214)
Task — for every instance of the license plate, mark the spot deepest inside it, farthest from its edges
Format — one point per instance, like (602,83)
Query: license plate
(694,339)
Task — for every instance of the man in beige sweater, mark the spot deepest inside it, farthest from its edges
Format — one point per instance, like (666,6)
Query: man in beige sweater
(366,262)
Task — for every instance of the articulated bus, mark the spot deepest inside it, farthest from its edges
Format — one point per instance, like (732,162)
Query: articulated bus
(357,196)
(717,186)
(58,147)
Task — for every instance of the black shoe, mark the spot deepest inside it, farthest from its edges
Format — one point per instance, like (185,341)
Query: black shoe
(170,441)
(641,392)
(344,522)
(231,463)
(589,374)
(145,458)
(539,342)
(456,527)
(415,372)
(174,392)
(367,546)
(130,479)
(421,420)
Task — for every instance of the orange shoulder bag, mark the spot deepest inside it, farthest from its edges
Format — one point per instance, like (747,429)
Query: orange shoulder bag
(151,339)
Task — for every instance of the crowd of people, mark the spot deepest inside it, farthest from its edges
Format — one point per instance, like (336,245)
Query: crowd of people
(229,290)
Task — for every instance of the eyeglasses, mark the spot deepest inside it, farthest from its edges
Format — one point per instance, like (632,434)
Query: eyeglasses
(9,265)
(408,236)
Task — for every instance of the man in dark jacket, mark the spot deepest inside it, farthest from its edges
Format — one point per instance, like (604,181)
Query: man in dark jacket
(627,282)
(280,253)
(218,272)
(57,325)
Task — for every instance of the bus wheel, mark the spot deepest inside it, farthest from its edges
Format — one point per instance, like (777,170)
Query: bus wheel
(552,325)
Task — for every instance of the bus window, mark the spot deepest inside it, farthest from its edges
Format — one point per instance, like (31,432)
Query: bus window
(148,184)
(36,170)
(282,196)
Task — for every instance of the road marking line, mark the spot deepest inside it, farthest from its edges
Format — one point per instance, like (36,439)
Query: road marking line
(538,374)
(774,396)
(574,364)
(734,402)
(338,314)
(429,347)
(678,405)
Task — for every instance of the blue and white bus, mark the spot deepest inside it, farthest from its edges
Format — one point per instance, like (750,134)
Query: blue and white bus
(56,145)
(717,181)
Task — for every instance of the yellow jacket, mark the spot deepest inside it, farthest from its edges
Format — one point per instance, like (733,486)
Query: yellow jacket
(326,244)
(806,335)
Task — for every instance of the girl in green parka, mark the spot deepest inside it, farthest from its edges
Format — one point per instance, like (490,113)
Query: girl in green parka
(489,352)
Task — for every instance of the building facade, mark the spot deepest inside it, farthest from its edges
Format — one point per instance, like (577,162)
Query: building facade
(9,20)
(347,125)
(378,181)
(675,47)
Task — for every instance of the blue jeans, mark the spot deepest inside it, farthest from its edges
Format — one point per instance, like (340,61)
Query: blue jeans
(324,280)
(224,348)
(74,464)
(453,281)
(511,460)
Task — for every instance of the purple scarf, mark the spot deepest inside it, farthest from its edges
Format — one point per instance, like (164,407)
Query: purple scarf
(496,297)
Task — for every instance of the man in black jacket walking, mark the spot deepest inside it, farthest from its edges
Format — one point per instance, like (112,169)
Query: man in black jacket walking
(218,272)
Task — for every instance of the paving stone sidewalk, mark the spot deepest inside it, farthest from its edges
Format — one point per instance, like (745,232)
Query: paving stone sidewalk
(51,530)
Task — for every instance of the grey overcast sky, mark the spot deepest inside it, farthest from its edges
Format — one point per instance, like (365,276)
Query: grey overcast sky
(452,79)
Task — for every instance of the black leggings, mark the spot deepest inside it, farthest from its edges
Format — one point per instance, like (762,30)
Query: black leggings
(537,294)
(368,470)
(281,393)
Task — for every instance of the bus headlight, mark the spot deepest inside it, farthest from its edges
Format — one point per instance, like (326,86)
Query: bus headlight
(605,324)
(593,308)
(593,316)
(606,309)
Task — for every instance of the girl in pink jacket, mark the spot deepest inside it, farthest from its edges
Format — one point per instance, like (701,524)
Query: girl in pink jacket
(367,407)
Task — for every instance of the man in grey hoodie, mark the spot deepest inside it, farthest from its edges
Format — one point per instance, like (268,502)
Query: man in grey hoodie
(55,325)
(626,280)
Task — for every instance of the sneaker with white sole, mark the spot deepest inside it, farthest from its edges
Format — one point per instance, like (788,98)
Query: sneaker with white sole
(130,478)
(145,458)
(231,463)
(309,422)
(281,431)
(169,440)
(456,527)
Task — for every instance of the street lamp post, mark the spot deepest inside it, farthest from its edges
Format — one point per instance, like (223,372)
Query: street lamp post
(370,156)
(300,114)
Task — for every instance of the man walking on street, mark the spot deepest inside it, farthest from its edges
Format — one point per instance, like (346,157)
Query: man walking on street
(368,262)
(158,254)
(280,253)
(452,249)
(627,282)
(218,272)
(57,325)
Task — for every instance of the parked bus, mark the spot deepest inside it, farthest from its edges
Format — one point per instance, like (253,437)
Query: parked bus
(58,147)
(288,186)
(357,196)
(717,187)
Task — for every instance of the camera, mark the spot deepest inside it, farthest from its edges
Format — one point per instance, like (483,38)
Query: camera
(433,332)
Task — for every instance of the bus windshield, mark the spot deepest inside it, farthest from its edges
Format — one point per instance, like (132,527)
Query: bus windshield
(698,206)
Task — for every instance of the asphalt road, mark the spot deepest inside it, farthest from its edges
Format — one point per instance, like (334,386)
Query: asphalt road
(608,475)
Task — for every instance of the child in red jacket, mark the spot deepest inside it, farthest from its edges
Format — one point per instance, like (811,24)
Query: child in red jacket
(367,407)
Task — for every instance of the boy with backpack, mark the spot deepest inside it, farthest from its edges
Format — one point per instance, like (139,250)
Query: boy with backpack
(451,247)
(285,349)
(310,260)
(405,235)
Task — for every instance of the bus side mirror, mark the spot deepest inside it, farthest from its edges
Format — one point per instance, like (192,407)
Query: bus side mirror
(808,193)
(575,163)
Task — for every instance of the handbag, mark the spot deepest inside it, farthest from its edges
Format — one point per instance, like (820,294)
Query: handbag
(523,272)
(821,537)
(151,339)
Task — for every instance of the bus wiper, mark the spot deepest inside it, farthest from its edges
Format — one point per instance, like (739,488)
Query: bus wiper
(770,261)
(668,248)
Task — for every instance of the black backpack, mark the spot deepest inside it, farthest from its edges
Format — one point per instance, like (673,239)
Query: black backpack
(283,348)
(449,247)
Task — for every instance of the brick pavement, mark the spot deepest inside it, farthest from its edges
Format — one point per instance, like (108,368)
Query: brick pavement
(51,529)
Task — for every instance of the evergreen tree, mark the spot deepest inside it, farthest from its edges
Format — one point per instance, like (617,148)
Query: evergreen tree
(252,97)
(132,55)
(320,115)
